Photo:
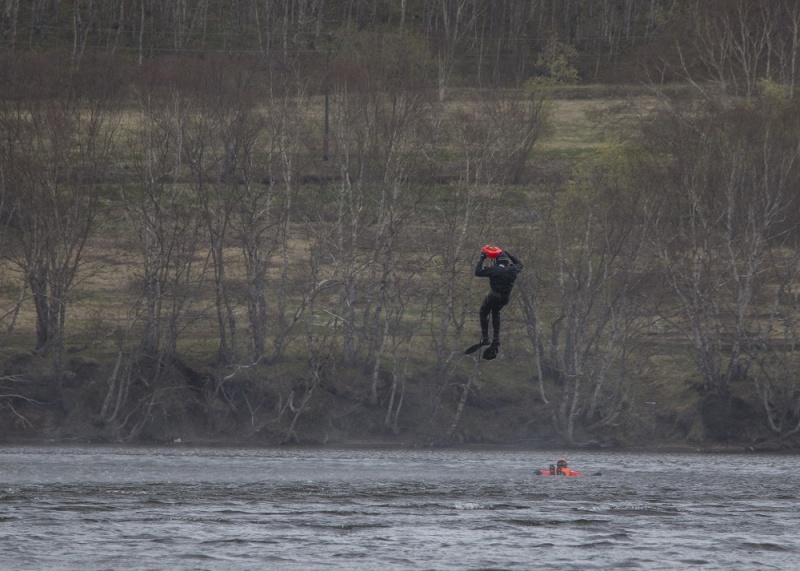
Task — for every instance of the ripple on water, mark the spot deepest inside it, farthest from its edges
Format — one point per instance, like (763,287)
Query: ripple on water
(359,509)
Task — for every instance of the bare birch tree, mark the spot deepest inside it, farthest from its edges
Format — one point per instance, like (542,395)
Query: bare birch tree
(59,129)
(583,305)
(728,172)
(776,351)
(734,45)
(162,212)
(380,127)
(221,133)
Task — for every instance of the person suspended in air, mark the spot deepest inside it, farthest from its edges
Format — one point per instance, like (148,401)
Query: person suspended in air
(502,271)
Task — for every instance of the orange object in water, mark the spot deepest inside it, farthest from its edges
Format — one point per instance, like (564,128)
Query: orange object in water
(491,251)
(564,472)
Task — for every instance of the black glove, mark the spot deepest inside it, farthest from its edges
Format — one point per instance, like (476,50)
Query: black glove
(483,255)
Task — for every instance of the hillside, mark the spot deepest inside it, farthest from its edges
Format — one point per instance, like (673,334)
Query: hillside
(218,242)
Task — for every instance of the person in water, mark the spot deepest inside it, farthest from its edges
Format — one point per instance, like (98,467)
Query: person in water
(502,274)
(559,469)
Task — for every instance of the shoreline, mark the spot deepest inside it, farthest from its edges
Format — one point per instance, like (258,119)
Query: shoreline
(378,445)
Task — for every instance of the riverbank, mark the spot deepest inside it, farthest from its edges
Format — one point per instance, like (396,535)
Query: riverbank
(21,440)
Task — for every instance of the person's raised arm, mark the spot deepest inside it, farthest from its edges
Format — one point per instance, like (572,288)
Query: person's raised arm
(479,265)
(514,259)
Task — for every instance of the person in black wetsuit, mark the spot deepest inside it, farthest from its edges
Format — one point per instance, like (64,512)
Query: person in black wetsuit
(502,274)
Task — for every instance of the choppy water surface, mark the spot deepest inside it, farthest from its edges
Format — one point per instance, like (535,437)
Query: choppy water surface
(207,508)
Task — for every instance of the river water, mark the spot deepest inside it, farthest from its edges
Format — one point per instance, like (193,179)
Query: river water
(295,508)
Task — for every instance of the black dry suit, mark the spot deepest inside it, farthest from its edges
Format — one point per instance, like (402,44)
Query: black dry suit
(501,281)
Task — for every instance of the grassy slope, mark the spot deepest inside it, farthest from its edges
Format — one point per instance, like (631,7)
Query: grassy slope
(503,405)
